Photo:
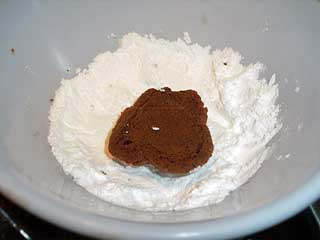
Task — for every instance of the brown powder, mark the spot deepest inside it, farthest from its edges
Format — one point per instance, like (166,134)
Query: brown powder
(164,129)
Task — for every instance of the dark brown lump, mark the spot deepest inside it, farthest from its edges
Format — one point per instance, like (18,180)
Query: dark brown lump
(163,129)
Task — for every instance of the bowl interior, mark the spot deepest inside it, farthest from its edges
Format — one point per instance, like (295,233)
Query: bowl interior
(50,38)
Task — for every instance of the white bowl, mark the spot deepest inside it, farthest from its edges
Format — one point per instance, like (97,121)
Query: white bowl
(51,36)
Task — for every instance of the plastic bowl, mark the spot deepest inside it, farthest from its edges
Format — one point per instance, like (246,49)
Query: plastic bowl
(44,41)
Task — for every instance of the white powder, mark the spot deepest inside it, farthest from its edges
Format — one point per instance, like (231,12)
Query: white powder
(111,35)
(186,38)
(299,127)
(242,118)
(266,25)
(78,70)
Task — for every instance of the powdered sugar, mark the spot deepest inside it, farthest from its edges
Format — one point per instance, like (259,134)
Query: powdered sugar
(242,118)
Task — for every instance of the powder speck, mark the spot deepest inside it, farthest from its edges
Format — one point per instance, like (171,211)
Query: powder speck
(266,25)
(155,128)
(186,38)
(297,89)
(29,70)
(111,35)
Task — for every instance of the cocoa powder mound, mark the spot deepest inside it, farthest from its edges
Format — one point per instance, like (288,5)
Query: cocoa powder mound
(164,129)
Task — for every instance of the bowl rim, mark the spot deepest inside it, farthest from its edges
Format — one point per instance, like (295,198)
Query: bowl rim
(91,224)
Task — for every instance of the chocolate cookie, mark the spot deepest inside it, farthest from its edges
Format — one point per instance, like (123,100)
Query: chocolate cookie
(164,129)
